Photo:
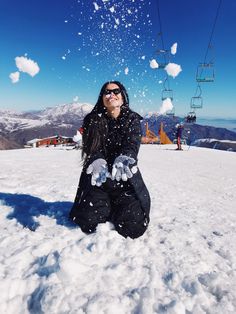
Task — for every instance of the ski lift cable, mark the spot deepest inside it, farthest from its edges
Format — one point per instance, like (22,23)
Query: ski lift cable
(211,36)
(209,44)
(213,29)
(160,26)
(162,39)
(198,92)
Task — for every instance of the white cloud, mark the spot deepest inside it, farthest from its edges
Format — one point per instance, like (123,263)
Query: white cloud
(166,106)
(173,69)
(76,98)
(126,71)
(15,76)
(173,49)
(154,64)
(27,66)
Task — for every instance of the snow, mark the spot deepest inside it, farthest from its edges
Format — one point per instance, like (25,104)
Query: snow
(96,7)
(184,263)
(209,140)
(166,106)
(75,99)
(12,124)
(15,76)
(153,64)
(173,69)
(115,28)
(27,66)
(173,49)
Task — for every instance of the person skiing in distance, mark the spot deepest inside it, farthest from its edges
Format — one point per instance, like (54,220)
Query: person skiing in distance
(179,131)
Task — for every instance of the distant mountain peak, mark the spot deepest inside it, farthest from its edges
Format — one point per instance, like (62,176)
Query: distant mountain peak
(75,108)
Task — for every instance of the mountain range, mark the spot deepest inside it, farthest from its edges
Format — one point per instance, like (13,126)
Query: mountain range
(16,128)
(192,132)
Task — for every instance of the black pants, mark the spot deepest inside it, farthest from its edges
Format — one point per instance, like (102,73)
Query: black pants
(115,202)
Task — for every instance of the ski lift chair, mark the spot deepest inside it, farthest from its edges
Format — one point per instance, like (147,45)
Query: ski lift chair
(167,93)
(164,55)
(170,113)
(205,73)
(196,102)
(191,117)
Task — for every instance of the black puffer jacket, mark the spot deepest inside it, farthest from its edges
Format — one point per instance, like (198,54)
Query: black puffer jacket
(124,138)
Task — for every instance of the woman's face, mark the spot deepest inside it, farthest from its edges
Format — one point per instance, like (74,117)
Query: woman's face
(112,97)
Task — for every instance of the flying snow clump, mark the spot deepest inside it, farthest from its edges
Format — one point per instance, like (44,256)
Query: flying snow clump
(173,49)
(27,66)
(166,106)
(154,64)
(15,77)
(173,69)
(96,6)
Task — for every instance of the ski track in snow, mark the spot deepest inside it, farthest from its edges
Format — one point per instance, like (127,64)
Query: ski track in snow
(184,264)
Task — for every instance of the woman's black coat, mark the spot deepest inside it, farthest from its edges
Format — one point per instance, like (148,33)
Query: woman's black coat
(123,138)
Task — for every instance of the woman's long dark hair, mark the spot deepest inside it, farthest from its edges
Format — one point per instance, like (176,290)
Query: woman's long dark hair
(95,123)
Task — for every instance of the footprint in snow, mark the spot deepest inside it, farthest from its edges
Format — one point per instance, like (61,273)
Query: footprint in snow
(217,233)
(208,281)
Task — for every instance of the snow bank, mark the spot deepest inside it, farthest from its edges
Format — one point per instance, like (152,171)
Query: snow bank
(216,144)
(184,263)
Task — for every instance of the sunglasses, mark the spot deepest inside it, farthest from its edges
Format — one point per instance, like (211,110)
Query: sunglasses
(115,91)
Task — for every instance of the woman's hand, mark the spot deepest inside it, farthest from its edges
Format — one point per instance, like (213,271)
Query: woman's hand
(99,171)
(121,168)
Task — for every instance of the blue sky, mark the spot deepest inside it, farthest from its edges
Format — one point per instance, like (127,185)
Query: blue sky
(78,45)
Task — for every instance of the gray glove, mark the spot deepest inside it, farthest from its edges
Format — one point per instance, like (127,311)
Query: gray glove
(99,171)
(121,168)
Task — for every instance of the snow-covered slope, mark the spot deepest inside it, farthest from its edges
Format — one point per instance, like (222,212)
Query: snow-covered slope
(12,124)
(216,144)
(185,262)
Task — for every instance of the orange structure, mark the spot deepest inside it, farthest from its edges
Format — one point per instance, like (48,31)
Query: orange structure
(150,137)
(164,139)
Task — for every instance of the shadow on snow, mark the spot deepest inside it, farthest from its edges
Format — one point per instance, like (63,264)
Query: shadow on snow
(25,208)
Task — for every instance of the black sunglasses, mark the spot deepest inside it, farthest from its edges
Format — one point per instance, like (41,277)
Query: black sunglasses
(115,91)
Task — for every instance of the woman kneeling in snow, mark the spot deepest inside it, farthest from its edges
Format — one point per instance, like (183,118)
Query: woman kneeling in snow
(111,187)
